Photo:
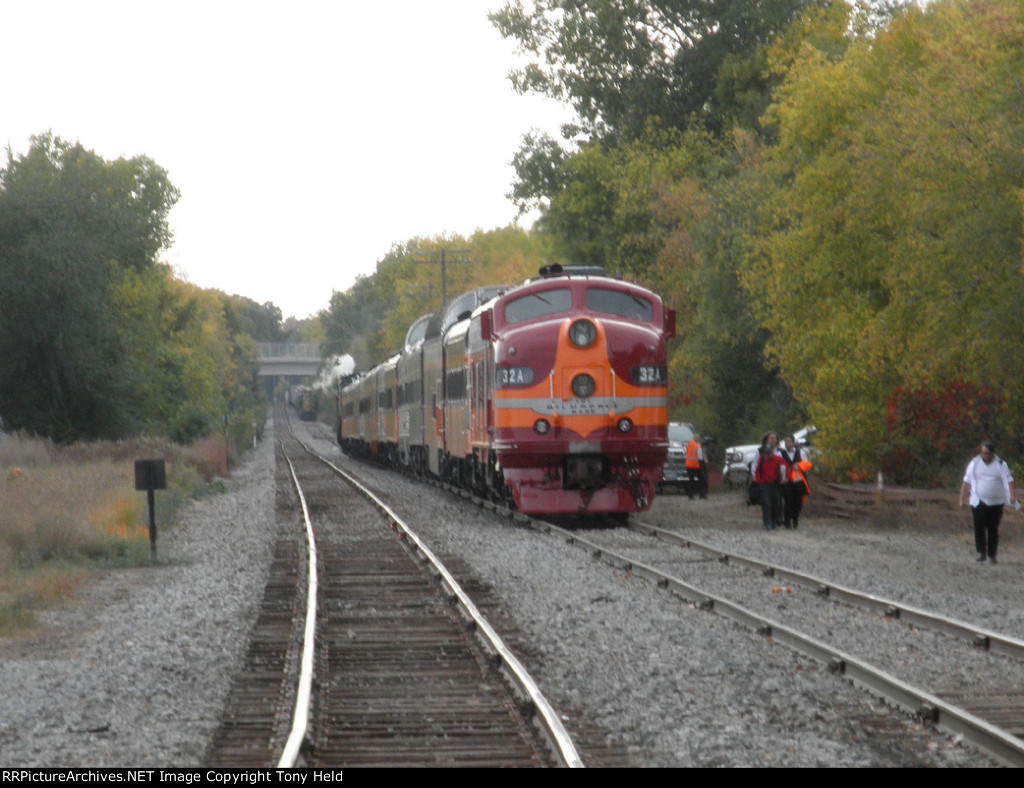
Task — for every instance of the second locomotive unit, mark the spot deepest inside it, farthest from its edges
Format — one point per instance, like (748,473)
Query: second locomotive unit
(552,395)
(304,400)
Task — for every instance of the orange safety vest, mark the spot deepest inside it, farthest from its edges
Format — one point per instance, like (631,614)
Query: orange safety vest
(692,454)
(798,473)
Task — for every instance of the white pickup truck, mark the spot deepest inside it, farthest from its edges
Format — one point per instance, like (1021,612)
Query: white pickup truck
(738,459)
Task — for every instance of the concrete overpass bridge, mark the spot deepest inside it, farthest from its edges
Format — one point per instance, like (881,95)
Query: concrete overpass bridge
(288,358)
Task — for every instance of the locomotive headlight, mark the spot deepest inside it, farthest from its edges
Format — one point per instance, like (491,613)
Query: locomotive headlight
(541,427)
(583,385)
(582,333)
(625,425)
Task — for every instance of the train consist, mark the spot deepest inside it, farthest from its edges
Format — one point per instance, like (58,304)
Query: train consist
(552,394)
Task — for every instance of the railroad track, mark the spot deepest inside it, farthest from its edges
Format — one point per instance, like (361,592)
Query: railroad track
(406,672)
(987,719)
(984,705)
(257,718)
(978,636)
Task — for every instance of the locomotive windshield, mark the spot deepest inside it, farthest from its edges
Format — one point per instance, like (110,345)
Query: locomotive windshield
(546,302)
(620,304)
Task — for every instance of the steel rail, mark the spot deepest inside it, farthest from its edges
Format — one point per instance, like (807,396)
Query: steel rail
(978,636)
(561,743)
(994,741)
(300,718)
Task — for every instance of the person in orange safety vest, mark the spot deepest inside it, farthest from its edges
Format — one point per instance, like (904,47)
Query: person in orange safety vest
(795,488)
(696,469)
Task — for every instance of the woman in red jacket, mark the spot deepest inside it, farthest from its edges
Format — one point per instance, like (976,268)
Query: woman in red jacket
(769,475)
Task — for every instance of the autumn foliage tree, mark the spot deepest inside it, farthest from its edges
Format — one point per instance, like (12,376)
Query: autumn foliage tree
(893,257)
(369,321)
(661,185)
(192,356)
(851,255)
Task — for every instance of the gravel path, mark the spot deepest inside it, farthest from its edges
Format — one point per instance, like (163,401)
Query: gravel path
(135,673)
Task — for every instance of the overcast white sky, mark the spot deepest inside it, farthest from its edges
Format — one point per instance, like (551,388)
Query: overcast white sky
(306,137)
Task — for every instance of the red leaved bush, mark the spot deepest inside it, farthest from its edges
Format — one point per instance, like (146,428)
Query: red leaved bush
(932,432)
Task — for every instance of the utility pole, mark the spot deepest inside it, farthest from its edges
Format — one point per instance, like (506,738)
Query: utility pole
(459,257)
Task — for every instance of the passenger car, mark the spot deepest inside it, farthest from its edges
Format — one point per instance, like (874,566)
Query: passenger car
(738,459)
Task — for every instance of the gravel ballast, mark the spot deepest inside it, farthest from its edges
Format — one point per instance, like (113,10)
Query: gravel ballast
(136,671)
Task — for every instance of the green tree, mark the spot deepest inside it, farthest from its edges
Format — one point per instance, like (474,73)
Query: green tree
(679,212)
(192,357)
(606,214)
(351,320)
(718,367)
(70,224)
(407,281)
(625,65)
(622,63)
(409,277)
(261,322)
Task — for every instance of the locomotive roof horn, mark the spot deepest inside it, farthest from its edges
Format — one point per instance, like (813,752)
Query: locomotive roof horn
(557,269)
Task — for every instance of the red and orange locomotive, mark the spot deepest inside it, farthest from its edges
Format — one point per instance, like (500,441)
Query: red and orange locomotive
(553,394)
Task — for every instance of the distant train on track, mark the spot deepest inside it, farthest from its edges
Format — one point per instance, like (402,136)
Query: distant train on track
(552,394)
(304,400)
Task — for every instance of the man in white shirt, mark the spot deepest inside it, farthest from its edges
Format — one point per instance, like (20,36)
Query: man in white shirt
(990,485)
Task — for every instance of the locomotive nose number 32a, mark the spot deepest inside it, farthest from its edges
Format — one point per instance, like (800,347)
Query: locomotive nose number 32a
(514,376)
(650,375)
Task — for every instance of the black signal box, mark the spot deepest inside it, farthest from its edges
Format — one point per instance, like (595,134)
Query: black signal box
(150,475)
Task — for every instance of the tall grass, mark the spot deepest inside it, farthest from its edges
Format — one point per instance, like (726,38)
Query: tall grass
(20,451)
(66,510)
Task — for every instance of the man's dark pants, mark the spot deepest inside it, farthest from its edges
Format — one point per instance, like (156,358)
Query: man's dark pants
(986,527)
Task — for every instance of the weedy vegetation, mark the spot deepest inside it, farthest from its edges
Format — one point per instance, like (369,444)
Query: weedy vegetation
(67,511)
